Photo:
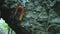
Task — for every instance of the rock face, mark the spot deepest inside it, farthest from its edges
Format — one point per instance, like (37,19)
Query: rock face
(39,14)
(7,11)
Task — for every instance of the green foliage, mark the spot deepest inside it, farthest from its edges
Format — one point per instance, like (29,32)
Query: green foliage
(5,26)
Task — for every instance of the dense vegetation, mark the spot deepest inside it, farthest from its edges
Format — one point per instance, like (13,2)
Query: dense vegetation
(41,16)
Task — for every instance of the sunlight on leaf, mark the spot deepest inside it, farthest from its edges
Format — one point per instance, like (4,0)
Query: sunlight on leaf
(3,25)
